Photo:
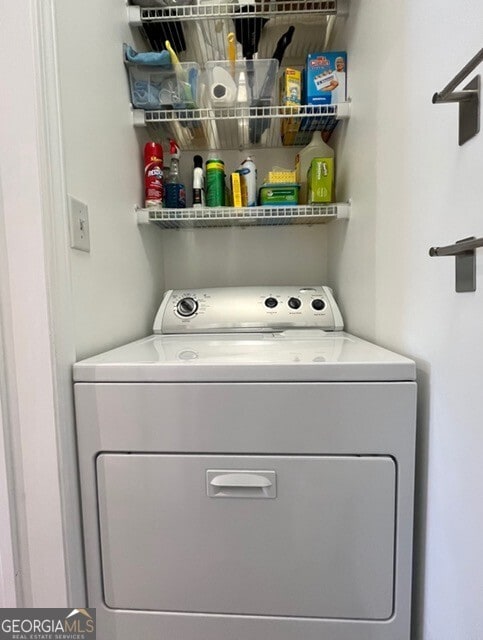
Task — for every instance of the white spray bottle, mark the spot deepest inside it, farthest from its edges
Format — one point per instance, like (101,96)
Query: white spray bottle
(248,177)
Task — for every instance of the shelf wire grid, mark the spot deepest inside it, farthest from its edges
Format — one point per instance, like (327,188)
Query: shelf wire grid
(243,217)
(200,32)
(231,9)
(242,127)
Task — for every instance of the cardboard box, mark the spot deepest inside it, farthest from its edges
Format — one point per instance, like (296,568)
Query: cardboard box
(291,88)
(290,130)
(325,78)
(320,181)
(279,195)
(290,96)
(236,189)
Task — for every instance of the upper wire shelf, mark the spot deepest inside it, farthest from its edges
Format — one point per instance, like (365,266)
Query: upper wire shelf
(199,31)
(265,8)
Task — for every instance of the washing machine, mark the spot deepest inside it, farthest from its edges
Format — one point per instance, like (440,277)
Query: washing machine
(247,473)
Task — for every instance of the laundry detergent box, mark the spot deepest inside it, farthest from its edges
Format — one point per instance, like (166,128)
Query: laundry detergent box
(320,181)
(325,78)
(290,96)
(291,87)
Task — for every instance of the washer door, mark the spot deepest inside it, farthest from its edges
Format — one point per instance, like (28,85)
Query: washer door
(298,536)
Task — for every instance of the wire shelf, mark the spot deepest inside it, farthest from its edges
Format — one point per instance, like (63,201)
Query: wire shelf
(241,127)
(199,31)
(266,8)
(337,111)
(242,217)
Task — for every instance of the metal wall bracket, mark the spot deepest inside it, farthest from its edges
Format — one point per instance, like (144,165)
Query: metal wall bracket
(469,100)
(465,261)
(469,116)
(465,270)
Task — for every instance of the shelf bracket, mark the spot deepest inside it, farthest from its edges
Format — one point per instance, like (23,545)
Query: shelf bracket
(134,15)
(468,99)
(464,252)
(138,117)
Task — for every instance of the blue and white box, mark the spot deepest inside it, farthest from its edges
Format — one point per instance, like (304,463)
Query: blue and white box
(326,78)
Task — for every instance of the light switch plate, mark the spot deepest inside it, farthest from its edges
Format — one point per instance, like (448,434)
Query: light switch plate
(79,225)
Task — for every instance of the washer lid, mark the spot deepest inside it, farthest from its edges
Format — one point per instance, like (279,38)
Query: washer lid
(291,356)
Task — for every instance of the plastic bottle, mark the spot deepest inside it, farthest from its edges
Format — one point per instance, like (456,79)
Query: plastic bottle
(316,148)
(242,94)
(223,88)
(248,175)
(175,190)
(153,174)
(198,183)
(215,182)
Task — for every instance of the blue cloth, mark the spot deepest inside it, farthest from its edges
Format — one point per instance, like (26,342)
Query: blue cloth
(149,59)
(145,95)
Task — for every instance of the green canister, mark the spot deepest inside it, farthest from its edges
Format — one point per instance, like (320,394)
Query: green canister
(215,182)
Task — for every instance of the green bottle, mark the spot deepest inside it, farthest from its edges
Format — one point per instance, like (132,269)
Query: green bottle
(215,182)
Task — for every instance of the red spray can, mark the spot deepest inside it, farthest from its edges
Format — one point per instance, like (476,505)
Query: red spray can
(153,174)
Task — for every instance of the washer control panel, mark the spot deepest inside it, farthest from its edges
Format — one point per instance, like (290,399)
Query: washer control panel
(243,309)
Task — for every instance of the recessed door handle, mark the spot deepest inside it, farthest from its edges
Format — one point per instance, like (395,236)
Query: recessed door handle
(241,480)
(241,484)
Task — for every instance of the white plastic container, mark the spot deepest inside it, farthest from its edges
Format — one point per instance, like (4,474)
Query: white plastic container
(222,89)
(252,82)
(316,148)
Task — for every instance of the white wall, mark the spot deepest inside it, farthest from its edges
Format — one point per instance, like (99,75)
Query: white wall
(413,187)
(235,257)
(117,286)
(294,254)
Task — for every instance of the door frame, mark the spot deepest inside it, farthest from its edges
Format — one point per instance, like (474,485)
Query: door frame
(36,309)
(9,552)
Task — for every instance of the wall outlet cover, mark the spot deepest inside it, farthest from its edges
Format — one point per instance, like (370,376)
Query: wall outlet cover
(79,225)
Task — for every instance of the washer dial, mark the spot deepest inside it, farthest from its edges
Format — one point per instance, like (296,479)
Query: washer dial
(318,304)
(271,303)
(187,307)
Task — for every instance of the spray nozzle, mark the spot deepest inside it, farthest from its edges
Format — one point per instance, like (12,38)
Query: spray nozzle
(174,148)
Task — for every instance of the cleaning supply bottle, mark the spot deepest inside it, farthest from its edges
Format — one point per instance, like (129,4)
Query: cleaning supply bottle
(198,183)
(248,175)
(215,181)
(174,189)
(316,148)
(153,175)
(223,89)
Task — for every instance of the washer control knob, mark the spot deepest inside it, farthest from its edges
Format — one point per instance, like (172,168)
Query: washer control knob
(294,303)
(271,303)
(187,307)
(318,304)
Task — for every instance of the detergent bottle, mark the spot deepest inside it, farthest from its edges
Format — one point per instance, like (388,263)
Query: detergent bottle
(316,148)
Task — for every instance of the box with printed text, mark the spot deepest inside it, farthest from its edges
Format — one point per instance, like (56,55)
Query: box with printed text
(325,78)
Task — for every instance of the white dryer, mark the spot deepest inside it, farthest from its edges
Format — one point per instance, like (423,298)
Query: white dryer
(247,474)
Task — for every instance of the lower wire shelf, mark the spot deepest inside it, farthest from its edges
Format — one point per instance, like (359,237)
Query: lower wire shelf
(243,217)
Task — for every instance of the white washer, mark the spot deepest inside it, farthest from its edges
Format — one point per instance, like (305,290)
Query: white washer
(247,473)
